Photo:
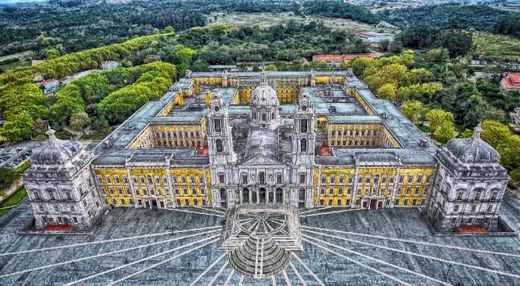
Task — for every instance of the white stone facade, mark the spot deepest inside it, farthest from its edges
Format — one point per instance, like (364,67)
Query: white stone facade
(60,186)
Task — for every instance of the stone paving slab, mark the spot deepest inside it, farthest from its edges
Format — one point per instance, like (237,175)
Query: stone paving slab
(403,223)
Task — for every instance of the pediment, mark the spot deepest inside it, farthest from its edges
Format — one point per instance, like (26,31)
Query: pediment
(260,159)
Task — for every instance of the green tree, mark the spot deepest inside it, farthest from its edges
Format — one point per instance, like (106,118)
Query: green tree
(438,55)
(271,67)
(445,132)
(169,29)
(7,176)
(515,176)
(438,117)
(79,120)
(495,133)
(52,53)
(467,133)
(388,91)
(413,109)
(510,152)
(18,127)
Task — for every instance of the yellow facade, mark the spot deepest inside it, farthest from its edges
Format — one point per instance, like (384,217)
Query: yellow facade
(210,80)
(191,187)
(149,187)
(171,135)
(326,79)
(360,135)
(177,101)
(386,185)
(286,94)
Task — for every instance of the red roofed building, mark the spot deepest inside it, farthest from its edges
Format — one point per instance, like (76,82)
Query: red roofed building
(327,58)
(511,81)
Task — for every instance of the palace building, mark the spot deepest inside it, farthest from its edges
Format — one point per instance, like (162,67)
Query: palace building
(299,139)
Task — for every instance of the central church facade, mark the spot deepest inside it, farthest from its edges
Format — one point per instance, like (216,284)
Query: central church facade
(276,164)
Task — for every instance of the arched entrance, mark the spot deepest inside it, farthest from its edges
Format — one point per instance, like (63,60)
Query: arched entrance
(254,197)
(279,196)
(262,195)
(223,198)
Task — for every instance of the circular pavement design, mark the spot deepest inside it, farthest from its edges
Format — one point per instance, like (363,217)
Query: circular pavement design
(185,247)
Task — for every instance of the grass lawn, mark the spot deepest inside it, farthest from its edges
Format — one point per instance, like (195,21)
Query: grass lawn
(424,128)
(14,199)
(496,47)
(271,19)
(20,169)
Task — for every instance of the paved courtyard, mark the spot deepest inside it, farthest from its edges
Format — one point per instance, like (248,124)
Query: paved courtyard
(162,252)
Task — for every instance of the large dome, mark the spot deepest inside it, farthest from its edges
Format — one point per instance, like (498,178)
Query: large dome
(473,149)
(264,95)
(55,151)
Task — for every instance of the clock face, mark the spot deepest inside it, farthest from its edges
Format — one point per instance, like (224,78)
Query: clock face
(304,108)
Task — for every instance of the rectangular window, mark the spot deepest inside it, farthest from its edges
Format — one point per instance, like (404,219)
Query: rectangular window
(244,179)
(279,179)
(302,179)
(261,178)
(221,178)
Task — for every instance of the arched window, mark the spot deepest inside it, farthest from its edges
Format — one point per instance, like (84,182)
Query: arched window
(264,116)
(245,196)
(218,144)
(494,195)
(303,145)
(478,193)
(460,194)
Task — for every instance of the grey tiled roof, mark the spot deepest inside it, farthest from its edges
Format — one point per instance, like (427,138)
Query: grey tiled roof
(329,100)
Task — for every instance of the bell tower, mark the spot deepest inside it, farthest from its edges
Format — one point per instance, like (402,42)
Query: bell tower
(222,157)
(304,137)
(220,139)
(303,152)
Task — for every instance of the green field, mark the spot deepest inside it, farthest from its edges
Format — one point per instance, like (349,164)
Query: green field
(271,19)
(496,47)
(13,60)
(14,199)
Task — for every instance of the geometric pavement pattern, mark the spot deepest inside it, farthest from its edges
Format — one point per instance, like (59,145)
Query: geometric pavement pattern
(181,247)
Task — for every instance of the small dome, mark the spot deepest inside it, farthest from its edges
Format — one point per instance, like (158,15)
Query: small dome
(55,151)
(264,95)
(473,149)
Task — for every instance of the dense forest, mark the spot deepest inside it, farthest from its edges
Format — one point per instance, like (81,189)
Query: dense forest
(457,16)
(288,43)
(68,26)
(99,100)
